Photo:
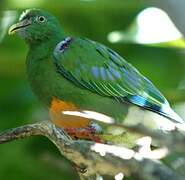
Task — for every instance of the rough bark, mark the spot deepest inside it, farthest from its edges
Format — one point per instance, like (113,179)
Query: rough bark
(90,161)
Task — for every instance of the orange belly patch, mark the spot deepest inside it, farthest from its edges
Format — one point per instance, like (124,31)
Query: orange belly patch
(66,121)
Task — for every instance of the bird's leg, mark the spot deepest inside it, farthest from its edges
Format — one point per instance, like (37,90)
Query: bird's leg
(88,133)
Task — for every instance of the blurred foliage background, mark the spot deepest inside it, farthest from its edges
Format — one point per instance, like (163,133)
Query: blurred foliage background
(36,158)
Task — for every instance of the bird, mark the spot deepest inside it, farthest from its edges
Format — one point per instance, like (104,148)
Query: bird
(79,80)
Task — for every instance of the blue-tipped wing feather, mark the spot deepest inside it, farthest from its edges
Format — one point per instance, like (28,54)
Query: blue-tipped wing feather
(99,69)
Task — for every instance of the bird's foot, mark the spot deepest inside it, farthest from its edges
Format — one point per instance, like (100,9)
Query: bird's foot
(88,133)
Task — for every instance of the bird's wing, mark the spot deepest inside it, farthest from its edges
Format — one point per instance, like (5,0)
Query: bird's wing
(99,69)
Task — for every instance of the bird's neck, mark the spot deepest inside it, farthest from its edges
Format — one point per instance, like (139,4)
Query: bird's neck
(50,41)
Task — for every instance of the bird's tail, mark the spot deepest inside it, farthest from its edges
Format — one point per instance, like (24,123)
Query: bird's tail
(171,114)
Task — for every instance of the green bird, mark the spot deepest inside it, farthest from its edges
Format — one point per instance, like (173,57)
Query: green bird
(80,80)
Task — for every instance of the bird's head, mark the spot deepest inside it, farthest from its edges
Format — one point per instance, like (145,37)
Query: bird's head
(36,25)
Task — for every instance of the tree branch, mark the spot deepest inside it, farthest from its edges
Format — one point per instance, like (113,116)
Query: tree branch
(92,158)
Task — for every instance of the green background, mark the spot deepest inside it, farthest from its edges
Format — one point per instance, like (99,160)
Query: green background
(36,158)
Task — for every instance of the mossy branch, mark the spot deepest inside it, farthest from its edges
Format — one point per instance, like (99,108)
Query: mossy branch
(90,161)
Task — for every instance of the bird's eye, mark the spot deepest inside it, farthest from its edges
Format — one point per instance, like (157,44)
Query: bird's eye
(41,19)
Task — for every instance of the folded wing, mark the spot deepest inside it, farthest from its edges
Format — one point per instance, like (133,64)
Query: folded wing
(99,69)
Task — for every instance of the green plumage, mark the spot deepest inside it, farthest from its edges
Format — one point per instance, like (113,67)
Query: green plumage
(86,73)
(99,69)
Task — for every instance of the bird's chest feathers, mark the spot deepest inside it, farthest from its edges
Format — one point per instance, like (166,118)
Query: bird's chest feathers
(41,74)
(46,83)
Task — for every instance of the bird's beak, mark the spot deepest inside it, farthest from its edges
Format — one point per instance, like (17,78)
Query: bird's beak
(19,25)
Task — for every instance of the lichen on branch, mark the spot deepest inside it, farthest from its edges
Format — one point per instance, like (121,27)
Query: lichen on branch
(92,159)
